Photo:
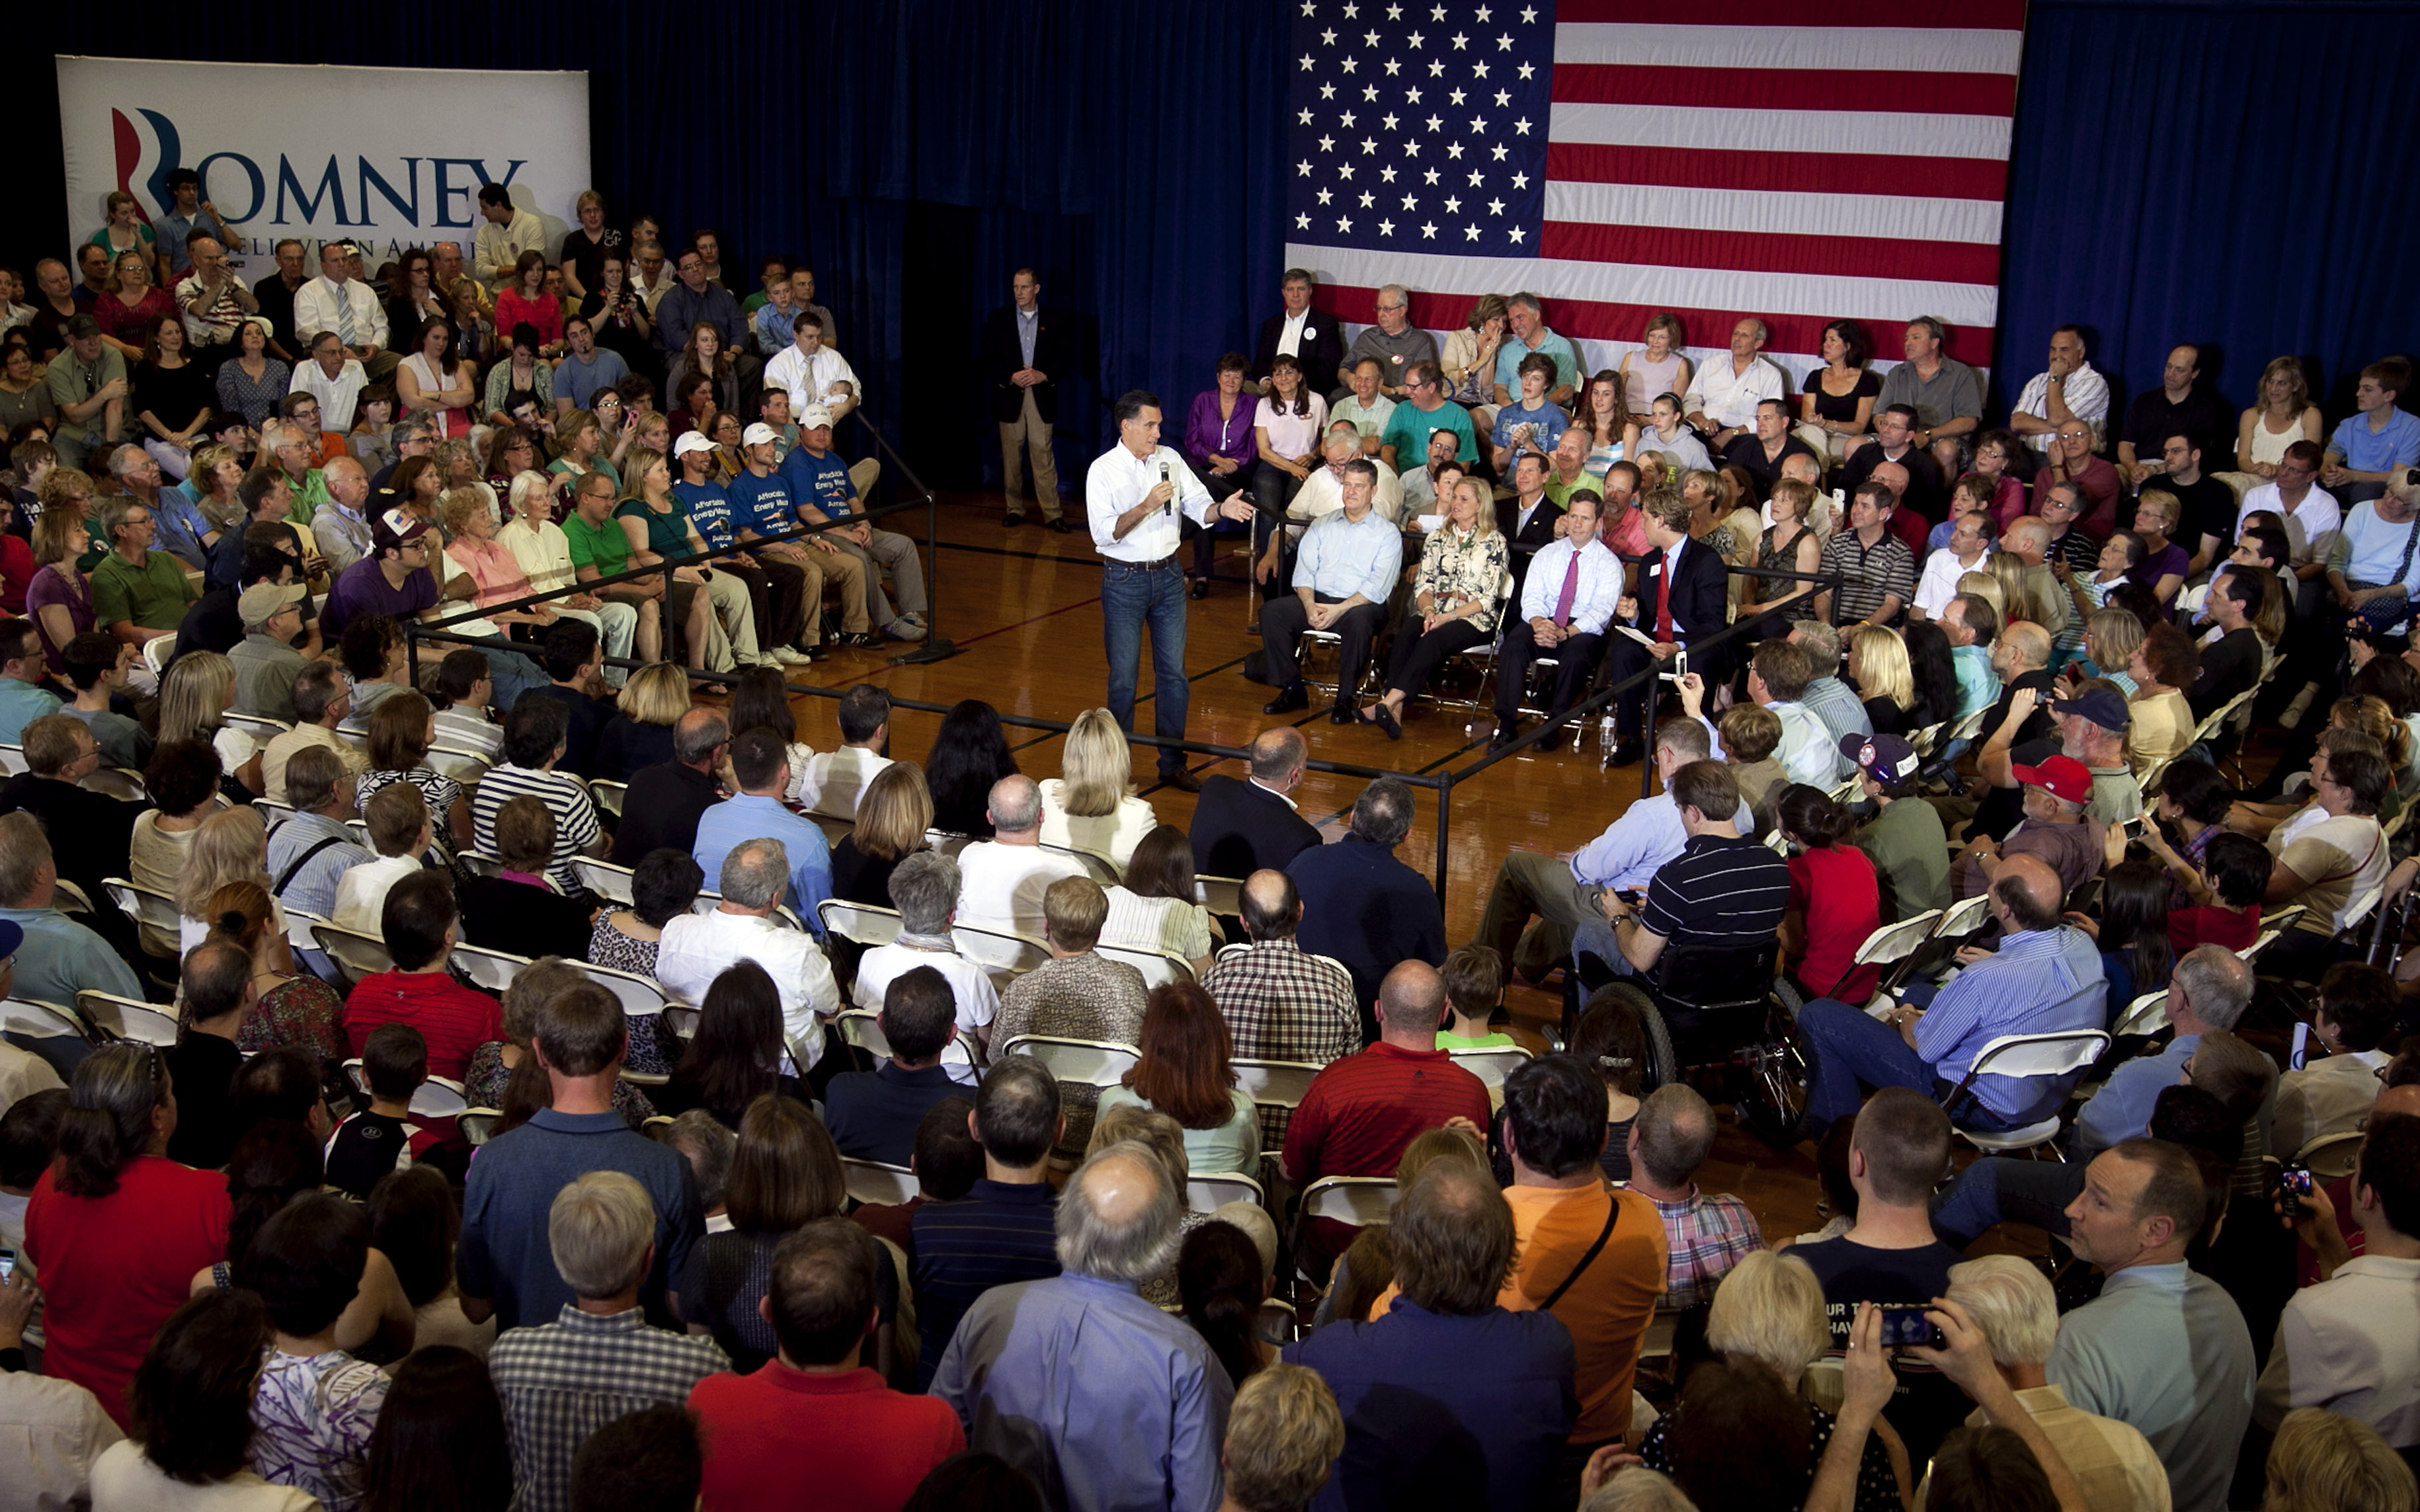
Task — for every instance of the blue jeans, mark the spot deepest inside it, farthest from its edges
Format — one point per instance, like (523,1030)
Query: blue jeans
(1132,598)
(1849,1052)
(2003,1189)
(514,673)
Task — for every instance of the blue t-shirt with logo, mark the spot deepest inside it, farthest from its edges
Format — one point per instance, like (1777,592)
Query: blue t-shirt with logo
(762,504)
(823,482)
(709,510)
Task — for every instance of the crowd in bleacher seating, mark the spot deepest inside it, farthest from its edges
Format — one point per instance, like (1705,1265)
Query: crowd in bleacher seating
(550,1086)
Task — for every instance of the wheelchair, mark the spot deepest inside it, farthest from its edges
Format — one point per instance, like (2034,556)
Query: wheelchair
(1732,1032)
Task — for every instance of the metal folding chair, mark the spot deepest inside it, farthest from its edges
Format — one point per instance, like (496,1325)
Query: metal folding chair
(2052,1054)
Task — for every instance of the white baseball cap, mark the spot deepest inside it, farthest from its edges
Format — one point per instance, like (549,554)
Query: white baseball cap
(690,441)
(758,434)
(816,415)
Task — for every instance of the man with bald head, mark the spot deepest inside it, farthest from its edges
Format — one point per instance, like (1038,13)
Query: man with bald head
(1280,1002)
(1241,826)
(1101,1397)
(2045,976)
(1002,880)
(666,800)
(342,527)
(1361,1111)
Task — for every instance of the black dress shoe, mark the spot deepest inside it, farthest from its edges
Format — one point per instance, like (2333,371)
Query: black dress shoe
(1505,735)
(1626,753)
(1343,714)
(1384,719)
(1011,522)
(1059,526)
(1201,588)
(1181,780)
(1290,698)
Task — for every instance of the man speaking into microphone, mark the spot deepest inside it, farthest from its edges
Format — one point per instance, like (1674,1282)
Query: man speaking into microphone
(1132,497)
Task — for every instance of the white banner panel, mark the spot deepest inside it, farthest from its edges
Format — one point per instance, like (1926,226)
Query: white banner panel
(390,157)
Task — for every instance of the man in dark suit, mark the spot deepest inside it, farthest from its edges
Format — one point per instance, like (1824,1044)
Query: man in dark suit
(1694,608)
(1024,357)
(1313,338)
(1243,827)
(1528,519)
(1362,905)
(662,807)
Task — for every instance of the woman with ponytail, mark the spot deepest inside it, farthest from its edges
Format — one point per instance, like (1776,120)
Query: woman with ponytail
(116,1228)
(1834,901)
(295,1008)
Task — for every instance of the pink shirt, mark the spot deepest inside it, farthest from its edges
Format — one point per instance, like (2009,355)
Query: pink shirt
(491,565)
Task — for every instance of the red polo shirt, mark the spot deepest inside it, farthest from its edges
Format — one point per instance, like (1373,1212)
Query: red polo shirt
(1361,1111)
(785,1439)
(454,1020)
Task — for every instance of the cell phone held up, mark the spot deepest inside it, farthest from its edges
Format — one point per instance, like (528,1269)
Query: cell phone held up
(2293,1185)
(1906,1327)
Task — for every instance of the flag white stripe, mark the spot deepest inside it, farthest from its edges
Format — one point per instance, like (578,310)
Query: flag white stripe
(1823,296)
(1785,213)
(1878,132)
(1879,49)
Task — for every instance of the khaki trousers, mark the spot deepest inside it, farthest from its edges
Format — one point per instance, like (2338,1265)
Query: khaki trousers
(1032,432)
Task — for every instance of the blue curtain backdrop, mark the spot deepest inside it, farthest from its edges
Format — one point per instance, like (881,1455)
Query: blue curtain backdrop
(917,150)
(2233,173)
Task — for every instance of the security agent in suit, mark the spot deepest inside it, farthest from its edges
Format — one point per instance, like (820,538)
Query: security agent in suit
(1529,521)
(1568,625)
(1025,393)
(1344,576)
(1247,826)
(1317,338)
(1699,605)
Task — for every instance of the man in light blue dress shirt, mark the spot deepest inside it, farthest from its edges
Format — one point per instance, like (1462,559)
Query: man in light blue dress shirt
(1104,1399)
(1343,574)
(1567,599)
(2045,976)
(761,765)
(23,698)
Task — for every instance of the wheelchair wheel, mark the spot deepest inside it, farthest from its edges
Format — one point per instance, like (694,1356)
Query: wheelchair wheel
(1661,1064)
(1773,1104)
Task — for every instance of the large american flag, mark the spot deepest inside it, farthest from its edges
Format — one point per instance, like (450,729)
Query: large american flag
(1798,160)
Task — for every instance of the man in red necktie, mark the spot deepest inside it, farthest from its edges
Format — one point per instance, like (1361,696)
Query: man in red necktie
(1682,597)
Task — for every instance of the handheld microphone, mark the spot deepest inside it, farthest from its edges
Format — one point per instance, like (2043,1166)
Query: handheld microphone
(1167,478)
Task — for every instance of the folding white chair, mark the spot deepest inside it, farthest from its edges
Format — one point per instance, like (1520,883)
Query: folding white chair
(860,924)
(2284,918)
(127,1018)
(1493,1064)
(1358,1200)
(948,842)
(1160,968)
(1085,1062)
(2052,1054)
(861,1029)
(357,955)
(439,1097)
(608,796)
(156,653)
(1963,917)
(259,726)
(482,864)
(1223,896)
(2251,953)
(477,1124)
(874,1183)
(835,829)
(640,997)
(1001,954)
(1892,944)
(12,760)
(2147,1015)
(38,1020)
(272,813)
(604,878)
(492,969)
(1102,870)
(1275,1083)
(117,782)
(464,766)
(1207,1192)
(2332,1155)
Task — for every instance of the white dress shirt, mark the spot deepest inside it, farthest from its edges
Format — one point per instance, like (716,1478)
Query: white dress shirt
(977,998)
(2328,1096)
(318,300)
(811,380)
(1599,591)
(1939,585)
(2351,1345)
(336,395)
(832,782)
(1290,339)
(1727,397)
(2310,529)
(2087,399)
(698,947)
(1117,483)
(1322,494)
(1807,751)
(1000,886)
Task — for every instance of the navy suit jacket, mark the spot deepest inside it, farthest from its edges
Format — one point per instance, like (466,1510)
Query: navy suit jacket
(1239,829)
(1525,541)
(1368,910)
(1321,355)
(1700,593)
(1004,354)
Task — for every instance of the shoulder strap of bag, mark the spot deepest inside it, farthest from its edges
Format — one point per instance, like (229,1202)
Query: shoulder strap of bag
(1612,1215)
(296,865)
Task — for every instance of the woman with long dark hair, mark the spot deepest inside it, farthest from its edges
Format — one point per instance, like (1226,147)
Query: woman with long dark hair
(440,1444)
(1611,1041)
(1932,670)
(1185,1072)
(1219,1276)
(116,1228)
(1154,908)
(759,700)
(968,755)
(414,1220)
(736,1055)
(189,1407)
(2133,929)
(1834,901)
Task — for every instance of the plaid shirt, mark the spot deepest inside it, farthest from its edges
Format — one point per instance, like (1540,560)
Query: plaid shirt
(1704,1237)
(1284,1003)
(566,1380)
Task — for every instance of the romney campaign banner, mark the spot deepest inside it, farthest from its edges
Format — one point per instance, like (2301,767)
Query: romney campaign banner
(319,153)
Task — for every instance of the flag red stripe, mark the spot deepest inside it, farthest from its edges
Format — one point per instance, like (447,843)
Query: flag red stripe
(1604,322)
(1656,246)
(1942,94)
(1819,173)
(1948,15)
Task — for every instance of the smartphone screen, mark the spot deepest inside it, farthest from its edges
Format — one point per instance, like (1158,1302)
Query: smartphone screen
(2293,1185)
(2302,1046)
(1905,1326)
(8,1265)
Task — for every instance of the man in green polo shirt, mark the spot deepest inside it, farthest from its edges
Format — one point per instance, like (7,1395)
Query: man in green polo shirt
(600,550)
(1904,839)
(138,594)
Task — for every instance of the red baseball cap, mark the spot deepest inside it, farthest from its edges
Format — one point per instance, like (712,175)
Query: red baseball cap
(2062,777)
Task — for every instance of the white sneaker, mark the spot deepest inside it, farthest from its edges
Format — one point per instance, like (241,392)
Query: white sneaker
(758,658)
(791,656)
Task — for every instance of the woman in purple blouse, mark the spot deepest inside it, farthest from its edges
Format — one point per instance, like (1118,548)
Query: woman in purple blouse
(1219,443)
